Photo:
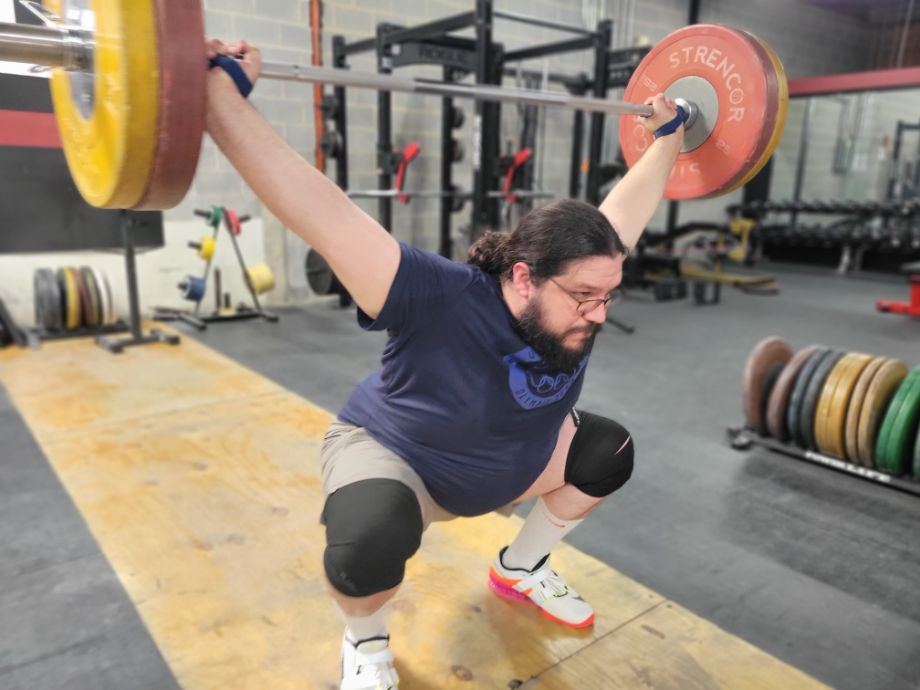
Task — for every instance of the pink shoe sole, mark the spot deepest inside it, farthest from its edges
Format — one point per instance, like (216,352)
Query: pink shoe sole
(506,592)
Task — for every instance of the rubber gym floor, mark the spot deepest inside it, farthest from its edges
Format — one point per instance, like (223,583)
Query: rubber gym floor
(158,518)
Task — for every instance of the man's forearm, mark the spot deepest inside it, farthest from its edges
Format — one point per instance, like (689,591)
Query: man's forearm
(632,202)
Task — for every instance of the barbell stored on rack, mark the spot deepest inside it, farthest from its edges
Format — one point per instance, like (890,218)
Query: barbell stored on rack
(129,94)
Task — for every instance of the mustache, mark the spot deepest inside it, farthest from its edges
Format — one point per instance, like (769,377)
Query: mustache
(587,330)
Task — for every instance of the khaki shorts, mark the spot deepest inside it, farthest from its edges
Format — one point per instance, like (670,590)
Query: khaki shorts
(350,455)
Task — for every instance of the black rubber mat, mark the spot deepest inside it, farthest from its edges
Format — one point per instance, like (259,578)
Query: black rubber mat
(65,620)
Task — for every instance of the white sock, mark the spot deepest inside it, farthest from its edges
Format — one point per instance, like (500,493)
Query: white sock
(359,628)
(541,532)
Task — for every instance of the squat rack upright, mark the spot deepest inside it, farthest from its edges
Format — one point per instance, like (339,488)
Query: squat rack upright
(432,43)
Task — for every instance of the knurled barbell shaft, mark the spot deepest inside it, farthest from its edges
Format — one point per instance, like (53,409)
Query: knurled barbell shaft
(383,82)
(71,50)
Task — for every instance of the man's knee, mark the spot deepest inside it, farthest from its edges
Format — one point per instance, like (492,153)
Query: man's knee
(600,459)
(372,528)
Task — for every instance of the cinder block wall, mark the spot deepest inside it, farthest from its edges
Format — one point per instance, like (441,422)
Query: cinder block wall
(797,31)
(809,40)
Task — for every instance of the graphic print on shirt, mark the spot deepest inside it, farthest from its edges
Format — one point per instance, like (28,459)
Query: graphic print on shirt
(534,386)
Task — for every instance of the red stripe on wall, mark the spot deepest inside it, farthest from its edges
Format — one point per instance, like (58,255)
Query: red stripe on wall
(21,128)
(856,81)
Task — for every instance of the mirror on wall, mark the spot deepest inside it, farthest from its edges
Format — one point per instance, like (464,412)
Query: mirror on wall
(858,146)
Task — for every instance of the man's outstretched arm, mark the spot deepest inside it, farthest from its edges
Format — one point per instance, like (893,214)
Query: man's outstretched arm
(632,202)
(363,255)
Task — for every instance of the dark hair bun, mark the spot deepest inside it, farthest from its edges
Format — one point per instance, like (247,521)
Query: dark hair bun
(487,252)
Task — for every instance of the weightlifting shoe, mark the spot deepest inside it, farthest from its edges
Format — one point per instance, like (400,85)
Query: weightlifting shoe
(368,665)
(542,587)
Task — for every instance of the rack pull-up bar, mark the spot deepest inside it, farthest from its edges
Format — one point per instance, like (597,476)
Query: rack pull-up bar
(524,19)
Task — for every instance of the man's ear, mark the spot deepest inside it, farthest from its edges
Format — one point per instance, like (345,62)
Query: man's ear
(521,280)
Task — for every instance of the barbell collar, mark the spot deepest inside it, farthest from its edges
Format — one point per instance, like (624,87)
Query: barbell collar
(68,48)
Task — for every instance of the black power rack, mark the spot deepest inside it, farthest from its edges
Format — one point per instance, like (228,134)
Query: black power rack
(488,62)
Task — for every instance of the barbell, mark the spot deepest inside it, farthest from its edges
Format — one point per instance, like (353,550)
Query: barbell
(128,87)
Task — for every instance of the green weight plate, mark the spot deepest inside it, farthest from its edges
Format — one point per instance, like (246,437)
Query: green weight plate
(899,429)
(916,468)
(881,390)
(797,398)
(851,432)
(813,395)
(761,371)
(782,392)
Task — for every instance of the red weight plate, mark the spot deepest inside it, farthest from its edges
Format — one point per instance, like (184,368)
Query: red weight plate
(782,390)
(86,304)
(718,65)
(181,120)
(756,380)
(774,115)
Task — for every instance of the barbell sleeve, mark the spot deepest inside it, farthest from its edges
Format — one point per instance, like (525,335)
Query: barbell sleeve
(68,49)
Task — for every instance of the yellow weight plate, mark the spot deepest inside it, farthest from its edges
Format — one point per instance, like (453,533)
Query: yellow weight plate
(70,298)
(823,407)
(846,374)
(208,245)
(881,390)
(261,278)
(110,144)
(783,109)
(855,407)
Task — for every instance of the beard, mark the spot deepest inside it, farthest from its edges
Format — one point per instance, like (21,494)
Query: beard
(555,355)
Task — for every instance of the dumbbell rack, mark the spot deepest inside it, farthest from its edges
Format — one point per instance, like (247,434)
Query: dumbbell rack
(243,312)
(743,438)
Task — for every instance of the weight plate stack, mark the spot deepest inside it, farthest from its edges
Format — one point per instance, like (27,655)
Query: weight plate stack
(834,403)
(70,298)
(782,392)
(812,395)
(108,119)
(897,437)
(181,103)
(761,371)
(879,395)
(49,315)
(93,315)
(797,398)
(851,436)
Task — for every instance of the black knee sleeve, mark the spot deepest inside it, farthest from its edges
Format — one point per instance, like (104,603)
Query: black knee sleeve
(372,528)
(600,458)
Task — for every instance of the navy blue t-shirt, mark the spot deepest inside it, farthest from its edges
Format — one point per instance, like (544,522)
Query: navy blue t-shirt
(460,397)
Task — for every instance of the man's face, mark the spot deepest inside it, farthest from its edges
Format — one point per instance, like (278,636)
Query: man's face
(560,321)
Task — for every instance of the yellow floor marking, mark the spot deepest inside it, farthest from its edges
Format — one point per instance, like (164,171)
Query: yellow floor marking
(200,481)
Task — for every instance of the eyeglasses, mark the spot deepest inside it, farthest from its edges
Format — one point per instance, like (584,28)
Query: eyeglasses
(586,306)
